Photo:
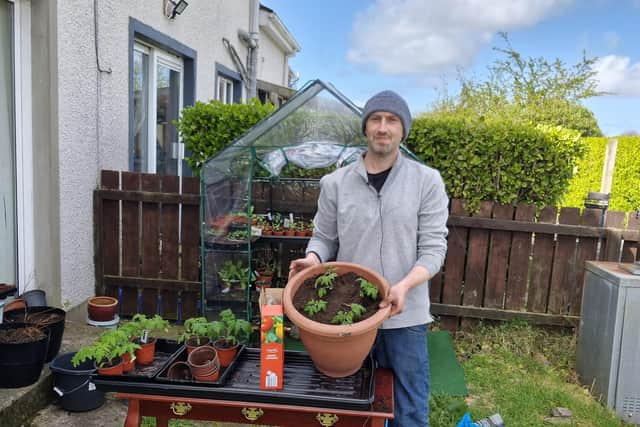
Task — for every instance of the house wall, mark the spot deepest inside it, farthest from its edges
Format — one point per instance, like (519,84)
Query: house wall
(272,62)
(81,117)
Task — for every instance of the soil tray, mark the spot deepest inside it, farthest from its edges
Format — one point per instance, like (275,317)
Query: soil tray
(181,356)
(166,350)
(303,385)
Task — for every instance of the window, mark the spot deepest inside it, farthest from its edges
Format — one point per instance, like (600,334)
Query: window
(228,85)
(225,90)
(157,93)
(162,81)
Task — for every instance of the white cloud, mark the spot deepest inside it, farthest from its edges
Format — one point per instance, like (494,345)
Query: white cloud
(612,40)
(416,36)
(617,75)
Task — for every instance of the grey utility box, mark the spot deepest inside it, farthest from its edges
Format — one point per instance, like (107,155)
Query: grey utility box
(608,356)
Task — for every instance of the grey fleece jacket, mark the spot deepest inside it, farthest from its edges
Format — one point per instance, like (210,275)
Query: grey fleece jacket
(390,232)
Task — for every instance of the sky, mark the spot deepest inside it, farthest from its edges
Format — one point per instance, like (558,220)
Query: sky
(419,47)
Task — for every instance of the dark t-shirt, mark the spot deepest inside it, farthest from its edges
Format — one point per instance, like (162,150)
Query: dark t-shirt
(377,179)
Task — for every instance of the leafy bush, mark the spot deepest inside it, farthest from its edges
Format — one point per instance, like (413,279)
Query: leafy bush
(497,159)
(625,189)
(206,128)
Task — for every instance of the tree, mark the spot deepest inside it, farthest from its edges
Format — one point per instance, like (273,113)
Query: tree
(531,89)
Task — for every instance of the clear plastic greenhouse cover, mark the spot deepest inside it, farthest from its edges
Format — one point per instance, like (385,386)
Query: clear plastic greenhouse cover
(317,128)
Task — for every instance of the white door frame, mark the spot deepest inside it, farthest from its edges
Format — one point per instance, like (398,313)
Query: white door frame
(24,146)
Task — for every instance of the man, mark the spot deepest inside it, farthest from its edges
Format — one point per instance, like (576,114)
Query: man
(388,213)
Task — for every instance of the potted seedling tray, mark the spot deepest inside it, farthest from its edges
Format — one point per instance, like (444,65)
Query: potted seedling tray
(181,356)
(304,385)
(165,351)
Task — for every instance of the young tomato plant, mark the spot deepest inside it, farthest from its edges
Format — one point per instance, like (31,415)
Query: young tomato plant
(315,306)
(324,283)
(348,317)
(368,289)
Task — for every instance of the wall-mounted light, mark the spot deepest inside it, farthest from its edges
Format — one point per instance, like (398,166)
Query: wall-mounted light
(173,8)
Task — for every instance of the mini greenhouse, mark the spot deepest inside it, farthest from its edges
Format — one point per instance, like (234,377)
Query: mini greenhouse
(260,193)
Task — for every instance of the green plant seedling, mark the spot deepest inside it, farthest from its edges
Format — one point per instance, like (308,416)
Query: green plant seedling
(367,288)
(348,317)
(198,327)
(230,329)
(324,282)
(312,307)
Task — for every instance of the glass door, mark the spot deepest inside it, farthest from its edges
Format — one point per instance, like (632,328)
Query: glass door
(8,224)
(157,92)
(168,103)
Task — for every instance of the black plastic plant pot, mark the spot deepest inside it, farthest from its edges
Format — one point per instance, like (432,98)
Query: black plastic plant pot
(31,316)
(73,384)
(21,364)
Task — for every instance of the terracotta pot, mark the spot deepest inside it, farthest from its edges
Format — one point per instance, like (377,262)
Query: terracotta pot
(289,233)
(278,233)
(301,233)
(179,371)
(102,309)
(336,350)
(16,304)
(114,369)
(204,363)
(192,343)
(225,354)
(144,355)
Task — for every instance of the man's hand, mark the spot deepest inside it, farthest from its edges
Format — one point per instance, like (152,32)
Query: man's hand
(396,298)
(300,264)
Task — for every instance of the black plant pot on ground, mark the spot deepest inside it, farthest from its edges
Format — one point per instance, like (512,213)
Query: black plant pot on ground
(23,348)
(44,317)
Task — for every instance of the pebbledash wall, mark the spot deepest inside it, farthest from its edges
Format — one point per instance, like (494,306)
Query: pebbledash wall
(81,114)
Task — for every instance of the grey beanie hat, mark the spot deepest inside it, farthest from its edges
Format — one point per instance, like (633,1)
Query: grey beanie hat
(390,102)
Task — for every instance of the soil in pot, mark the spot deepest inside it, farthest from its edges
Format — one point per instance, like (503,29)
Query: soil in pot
(43,317)
(346,291)
(192,343)
(22,335)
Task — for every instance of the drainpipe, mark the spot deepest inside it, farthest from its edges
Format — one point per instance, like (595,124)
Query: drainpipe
(254,16)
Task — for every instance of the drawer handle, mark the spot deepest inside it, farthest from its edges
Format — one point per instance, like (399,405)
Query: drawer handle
(327,420)
(252,414)
(180,408)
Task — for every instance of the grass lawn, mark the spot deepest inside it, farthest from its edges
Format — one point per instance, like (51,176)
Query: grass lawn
(521,372)
(517,370)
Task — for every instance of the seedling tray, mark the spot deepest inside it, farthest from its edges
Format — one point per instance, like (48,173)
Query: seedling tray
(181,356)
(303,385)
(165,351)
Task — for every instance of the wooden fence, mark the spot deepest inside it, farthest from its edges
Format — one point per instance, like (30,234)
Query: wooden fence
(506,262)
(147,240)
(503,262)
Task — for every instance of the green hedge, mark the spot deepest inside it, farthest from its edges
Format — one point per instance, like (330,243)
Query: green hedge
(206,128)
(625,189)
(498,160)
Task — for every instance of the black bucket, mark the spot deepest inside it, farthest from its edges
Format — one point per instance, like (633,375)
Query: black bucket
(73,384)
(56,328)
(21,364)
